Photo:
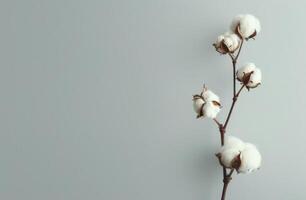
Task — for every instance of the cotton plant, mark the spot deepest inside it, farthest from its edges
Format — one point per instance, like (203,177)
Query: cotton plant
(207,104)
(234,154)
(238,155)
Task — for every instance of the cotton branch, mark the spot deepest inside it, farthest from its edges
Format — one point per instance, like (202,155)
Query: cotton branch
(234,154)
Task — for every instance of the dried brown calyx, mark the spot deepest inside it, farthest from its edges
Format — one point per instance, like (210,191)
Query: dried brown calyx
(247,81)
(235,163)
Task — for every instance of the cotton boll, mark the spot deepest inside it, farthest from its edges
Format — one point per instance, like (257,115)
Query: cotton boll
(211,109)
(245,69)
(206,104)
(220,46)
(198,104)
(231,41)
(247,26)
(220,38)
(249,75)
(235,22)
(250,159)
(230,151)
(255,78)
(208,95)
(227,43)
(235,154)
(228,156)
(231,142)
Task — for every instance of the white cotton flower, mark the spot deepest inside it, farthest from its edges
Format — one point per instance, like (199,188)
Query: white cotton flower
(208,95)
(255,79)
(233,142)
(228,156)
(198,105)
(245,69)
(227,43)
(211,109)
(230,151)
(231,41)
(235,154)
(246,26)
(235,22)
(249,75)
(250,159)
(206,104)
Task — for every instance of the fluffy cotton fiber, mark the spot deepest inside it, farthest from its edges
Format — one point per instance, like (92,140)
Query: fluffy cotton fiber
(247,26)
(227,43)
(255,77)
(228,155)
(250,159)
(207,104)
(210,110)
(248,154)
(198,104)
(233,142)
(208,95)
(232,41)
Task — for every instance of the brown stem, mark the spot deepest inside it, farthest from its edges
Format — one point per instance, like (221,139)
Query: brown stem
(222,128)
(226,181)
(239,50)
(225,185)
(217,122)
(232,106)
(234,77)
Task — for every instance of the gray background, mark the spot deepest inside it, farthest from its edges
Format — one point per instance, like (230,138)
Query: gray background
(96,99)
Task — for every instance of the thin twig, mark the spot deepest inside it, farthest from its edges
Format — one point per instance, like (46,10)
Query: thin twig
(225,185)
(226,180)
(231,172)
(217,122)
(239,91)
(236,58)
(232,106)
(222,128)
(234,77)
(232,56)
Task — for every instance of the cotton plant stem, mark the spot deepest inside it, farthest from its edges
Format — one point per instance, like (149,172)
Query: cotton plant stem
(226,181)
(225,185)
(227,177)
(235,98)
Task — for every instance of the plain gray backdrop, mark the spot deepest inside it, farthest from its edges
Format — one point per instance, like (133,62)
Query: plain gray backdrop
(96,99)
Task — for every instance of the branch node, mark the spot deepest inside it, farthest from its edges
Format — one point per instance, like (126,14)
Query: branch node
(227,179)
(221,129)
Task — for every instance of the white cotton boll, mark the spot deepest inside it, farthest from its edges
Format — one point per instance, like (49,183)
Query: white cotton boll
(245,69)
(210,110)
(255,78)
(220,38)
(231,142)
(197,105)
(230,150)
(208,95)
(206,104)
(219,45)
(250,159)
(249,75)
(247,26)
(228,155)
(235,22)
(227,43)
(232,42)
